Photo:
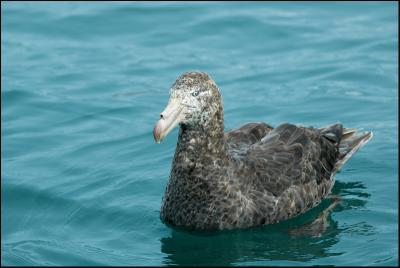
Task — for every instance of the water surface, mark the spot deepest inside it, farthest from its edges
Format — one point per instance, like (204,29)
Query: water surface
(82,85)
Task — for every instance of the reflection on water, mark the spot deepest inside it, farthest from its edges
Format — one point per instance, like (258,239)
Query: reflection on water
(273,242)
(318,226)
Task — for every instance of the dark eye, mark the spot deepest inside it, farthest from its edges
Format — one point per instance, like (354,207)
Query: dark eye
(195,93)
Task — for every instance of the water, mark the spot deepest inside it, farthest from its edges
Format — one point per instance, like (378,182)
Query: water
(82,85)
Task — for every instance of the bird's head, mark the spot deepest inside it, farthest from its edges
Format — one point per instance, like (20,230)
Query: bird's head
(194,100)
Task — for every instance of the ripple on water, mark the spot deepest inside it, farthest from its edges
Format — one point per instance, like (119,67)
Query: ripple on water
(82,85)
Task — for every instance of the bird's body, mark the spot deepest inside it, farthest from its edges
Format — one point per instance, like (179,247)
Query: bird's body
(249,176)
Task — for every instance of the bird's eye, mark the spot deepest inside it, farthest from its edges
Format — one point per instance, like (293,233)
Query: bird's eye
(195,93)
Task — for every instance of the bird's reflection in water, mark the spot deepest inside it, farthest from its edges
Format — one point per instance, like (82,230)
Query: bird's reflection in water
(319,225)
(304,238)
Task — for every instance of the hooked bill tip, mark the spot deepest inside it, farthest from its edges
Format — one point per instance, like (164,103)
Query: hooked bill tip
(157,131)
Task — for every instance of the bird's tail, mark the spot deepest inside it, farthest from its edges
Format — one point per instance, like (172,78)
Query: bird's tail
(349,140)
(352,140)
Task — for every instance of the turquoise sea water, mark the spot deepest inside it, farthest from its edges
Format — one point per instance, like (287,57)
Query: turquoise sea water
(82,85)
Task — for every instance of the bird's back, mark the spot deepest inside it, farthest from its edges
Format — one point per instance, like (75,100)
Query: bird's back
(240,139)
(288,170)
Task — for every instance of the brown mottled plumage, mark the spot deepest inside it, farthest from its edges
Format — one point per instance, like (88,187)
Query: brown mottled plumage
(249,176)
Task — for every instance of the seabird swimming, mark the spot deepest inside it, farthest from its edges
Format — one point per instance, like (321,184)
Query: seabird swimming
(249,176)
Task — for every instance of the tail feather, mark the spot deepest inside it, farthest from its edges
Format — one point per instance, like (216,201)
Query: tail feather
(348,132)
(351,141)
(333,132)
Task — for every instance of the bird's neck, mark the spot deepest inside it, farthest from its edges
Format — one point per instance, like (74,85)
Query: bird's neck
(199,143)
(197,171)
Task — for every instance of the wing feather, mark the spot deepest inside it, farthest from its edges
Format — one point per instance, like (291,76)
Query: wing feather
(294,164)
(245,136)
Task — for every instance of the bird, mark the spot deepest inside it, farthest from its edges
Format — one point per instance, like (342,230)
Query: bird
(249,176)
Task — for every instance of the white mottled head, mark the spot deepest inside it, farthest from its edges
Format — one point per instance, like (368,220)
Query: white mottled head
(194,101)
